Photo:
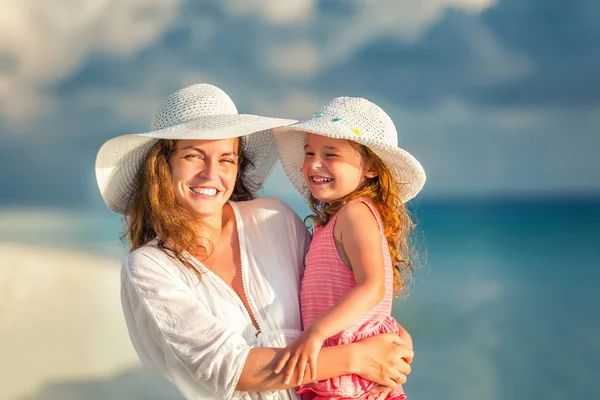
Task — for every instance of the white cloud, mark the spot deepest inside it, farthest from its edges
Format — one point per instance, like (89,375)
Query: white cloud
(274,11)
(495,63)
(46,41)
(137,106)
(473,150)
(295,59)
(472,5)
(389,12)
(468,149)
(339,37)
(295,104)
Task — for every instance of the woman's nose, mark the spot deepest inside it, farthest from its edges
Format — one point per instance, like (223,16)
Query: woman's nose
(210,170)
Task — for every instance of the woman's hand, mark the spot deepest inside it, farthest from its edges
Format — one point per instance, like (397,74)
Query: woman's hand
(408,342)
(304,350)
(379,392)
(382,359)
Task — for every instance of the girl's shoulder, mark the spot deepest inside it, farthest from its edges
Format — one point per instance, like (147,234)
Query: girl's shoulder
(358,208)
(358,214)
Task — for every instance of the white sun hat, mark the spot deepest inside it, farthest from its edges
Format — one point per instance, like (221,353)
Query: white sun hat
(200,111)
(358,120)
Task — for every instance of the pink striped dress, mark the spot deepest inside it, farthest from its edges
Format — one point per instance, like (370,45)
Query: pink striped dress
(325,280)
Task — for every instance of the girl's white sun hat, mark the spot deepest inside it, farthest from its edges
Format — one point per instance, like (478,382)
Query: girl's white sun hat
(358,120)
(200,111)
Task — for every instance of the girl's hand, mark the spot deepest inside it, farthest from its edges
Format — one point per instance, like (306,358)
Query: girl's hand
(382,359)
(304,350)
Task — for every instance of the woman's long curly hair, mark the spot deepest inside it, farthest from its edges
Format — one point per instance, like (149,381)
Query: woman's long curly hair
(154,212)
(397,223)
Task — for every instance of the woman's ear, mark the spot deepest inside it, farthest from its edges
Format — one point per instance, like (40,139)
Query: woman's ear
(370,170)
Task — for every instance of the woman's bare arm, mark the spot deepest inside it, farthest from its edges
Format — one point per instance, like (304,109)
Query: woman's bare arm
(379,359)
(258,375)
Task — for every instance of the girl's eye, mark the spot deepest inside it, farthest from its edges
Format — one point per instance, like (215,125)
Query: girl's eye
(330,155)
(308,153)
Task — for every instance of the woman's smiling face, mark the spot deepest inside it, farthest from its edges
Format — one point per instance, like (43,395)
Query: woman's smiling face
(203,174)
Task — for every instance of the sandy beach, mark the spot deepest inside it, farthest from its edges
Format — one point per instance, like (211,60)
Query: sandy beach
(62,333)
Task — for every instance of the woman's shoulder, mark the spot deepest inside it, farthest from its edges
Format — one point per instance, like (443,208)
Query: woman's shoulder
(149,256)
(272,217)
(152,261)
(265,207)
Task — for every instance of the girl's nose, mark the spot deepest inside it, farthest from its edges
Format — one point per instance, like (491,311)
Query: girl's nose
(315,163)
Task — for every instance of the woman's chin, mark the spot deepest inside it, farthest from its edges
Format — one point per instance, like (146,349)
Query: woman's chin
(207,207)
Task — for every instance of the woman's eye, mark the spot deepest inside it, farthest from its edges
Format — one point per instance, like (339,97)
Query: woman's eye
(191,156)
(228,160)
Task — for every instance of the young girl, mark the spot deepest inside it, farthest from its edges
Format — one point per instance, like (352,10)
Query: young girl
(345,159)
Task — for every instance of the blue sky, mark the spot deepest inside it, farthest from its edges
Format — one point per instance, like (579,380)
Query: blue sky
(495,98)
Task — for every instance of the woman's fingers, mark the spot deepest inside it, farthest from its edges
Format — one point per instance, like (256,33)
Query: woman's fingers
(405,336)
(403,352)
(291,366)
(397,376)
(379,392)
(383,394)
(400,356)
(282,361)
(401,379)
(404,368)
(383,360)
(391,383)
(396,379)
(313,369)
(301,369)
(392,338)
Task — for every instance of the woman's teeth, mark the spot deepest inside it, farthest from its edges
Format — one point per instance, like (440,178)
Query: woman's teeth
(204,191)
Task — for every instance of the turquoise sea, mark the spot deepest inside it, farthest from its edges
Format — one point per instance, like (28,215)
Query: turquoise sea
(505,305)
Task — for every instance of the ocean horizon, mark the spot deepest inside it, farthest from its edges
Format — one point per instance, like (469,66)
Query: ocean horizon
(501,306)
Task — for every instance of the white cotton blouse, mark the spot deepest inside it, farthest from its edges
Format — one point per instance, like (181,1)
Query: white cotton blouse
(197,333)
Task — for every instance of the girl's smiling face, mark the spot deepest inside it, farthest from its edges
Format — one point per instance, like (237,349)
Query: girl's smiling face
(332,168)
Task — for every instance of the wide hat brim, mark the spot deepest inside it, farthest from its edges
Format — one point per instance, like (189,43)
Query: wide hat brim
(407,172)
(119,159)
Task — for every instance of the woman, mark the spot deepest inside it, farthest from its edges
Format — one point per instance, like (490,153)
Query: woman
(210,289)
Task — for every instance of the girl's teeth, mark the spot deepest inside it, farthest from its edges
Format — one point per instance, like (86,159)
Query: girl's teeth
(205,191)
(322,180)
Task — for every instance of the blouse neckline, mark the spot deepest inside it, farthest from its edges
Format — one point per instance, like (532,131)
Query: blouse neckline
(239,226)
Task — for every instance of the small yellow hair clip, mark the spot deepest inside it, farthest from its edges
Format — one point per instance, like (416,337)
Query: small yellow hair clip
(357,132)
